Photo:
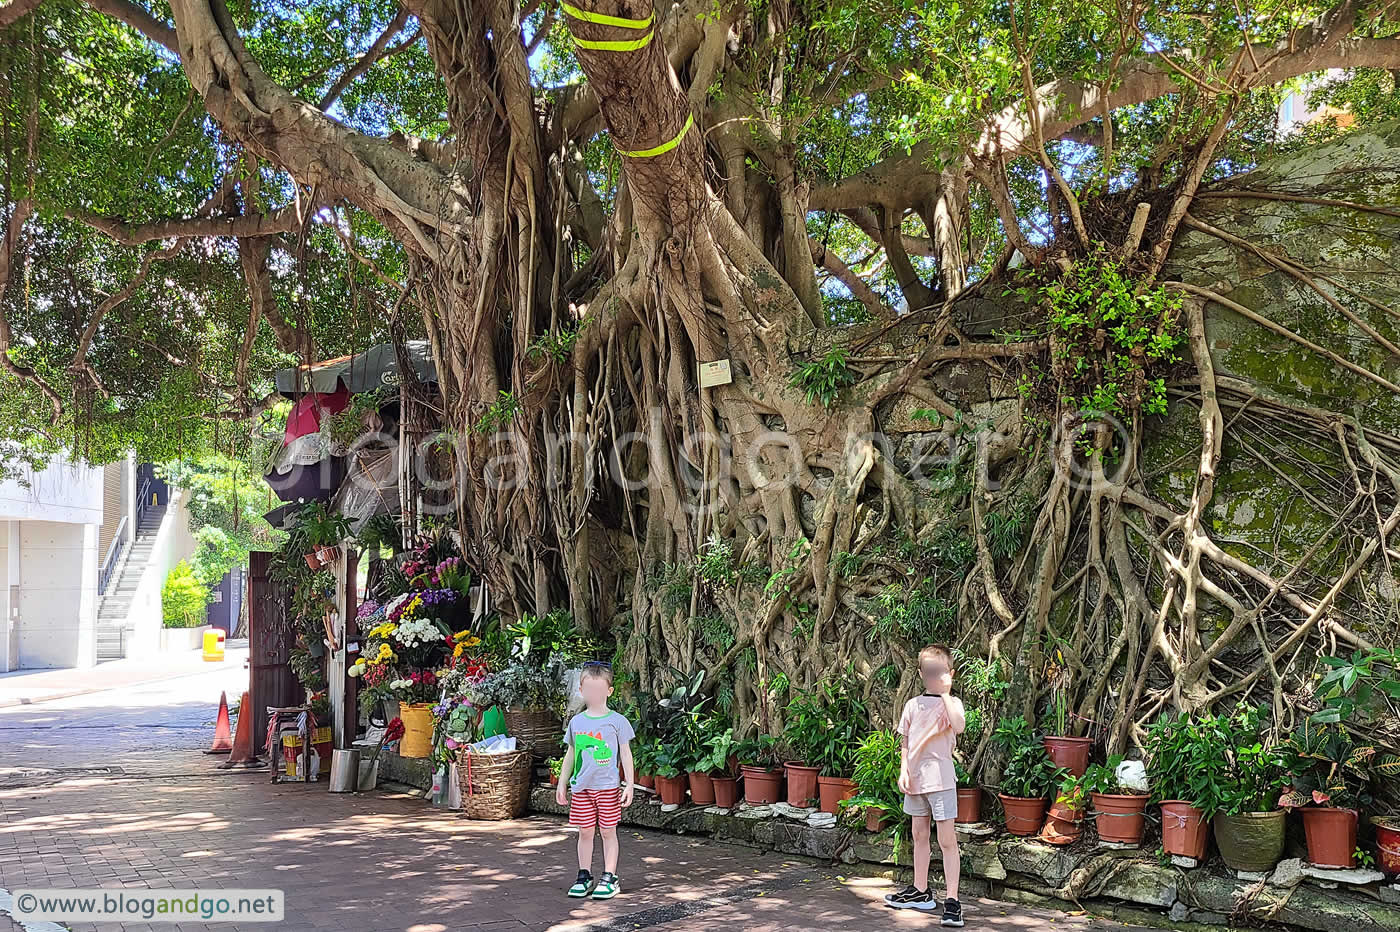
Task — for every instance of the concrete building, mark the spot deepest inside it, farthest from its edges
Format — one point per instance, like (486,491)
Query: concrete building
(50,525)
(84,552)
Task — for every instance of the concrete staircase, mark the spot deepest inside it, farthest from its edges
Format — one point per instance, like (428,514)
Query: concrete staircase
(112,630)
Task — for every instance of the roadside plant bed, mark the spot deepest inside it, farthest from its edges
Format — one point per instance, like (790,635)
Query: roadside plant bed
(1006,867)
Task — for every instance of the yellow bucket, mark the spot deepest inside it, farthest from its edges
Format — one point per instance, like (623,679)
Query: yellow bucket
(417,729)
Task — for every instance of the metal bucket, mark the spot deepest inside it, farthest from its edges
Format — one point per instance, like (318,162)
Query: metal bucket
(345,770)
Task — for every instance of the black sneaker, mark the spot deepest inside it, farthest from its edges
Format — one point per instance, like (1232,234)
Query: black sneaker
(583,886)
(912,898)
(952,913)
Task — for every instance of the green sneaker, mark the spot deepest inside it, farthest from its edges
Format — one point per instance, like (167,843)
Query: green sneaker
(583,885)
(607,888)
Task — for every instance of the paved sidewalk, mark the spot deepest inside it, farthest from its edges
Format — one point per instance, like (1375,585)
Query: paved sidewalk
(371,863)
(112,790)
(27,687)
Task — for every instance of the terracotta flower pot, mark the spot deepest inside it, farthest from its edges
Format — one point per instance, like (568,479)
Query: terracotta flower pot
(726,791)
(1251,841)
(832,790)
(1069,753)
(969,805)
(1063,825)
(702,789)
(1331,836)
(646,781)
(801,784)
(876,819)
(1119,818)
(1023,813)
(762,787)
(313,561)
(1387,844)
(1183,829)
(671,790)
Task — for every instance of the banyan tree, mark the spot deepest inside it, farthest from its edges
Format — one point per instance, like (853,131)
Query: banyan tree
(779,338)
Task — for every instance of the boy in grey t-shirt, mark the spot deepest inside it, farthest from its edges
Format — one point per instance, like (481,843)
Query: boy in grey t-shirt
(599,741)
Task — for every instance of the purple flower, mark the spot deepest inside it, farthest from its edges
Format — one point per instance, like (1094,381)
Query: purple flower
(367,609)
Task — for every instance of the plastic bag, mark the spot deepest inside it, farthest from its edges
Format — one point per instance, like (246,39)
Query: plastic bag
(1132,775)
(497,744)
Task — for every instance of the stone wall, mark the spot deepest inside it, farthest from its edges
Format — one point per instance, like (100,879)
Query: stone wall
(1130,884)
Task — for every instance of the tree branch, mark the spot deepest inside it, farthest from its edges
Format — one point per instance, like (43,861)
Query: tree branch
(376,52)
(133,234)
(16,10)
(18,217)
(138,19)
(830,261)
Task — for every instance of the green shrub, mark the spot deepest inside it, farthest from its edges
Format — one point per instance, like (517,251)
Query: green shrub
(183,598)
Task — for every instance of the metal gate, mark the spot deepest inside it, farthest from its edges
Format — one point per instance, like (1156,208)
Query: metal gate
(271,636)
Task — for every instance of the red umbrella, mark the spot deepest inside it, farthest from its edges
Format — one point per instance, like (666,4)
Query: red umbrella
(306,414)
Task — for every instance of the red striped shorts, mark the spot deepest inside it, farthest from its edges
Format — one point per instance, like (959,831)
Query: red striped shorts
(602,808)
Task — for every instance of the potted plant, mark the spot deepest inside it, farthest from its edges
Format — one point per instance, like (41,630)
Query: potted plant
(825,726)
(969,793)
(1065,821)
(1065,750)
(805,734)
(670,777)
(644,761)
(1026,775)
(876,775)
(1119,807)
(707,745)
(321,531)
(556,764)
(758,764)
(1185,761)
(1387,843)
(1243,797)
(1329,776)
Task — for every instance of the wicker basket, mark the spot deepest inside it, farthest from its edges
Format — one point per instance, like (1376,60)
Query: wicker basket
(494,786)
(540,733)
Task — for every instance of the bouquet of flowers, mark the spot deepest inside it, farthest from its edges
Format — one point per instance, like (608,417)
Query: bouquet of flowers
(419,686)
(393,732)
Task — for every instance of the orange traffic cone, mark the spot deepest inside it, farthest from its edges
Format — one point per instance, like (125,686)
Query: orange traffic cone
(242,755)
(223,739)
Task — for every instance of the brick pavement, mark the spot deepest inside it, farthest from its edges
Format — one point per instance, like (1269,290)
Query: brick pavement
(368,863)
(111,790)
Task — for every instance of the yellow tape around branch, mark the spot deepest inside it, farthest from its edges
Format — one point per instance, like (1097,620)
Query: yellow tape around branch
(602,19)
(615,45)
(665,146)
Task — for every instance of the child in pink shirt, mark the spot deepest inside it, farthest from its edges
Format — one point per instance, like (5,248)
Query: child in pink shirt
(928,730)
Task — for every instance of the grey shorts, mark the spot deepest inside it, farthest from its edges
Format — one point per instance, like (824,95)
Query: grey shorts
(939,806)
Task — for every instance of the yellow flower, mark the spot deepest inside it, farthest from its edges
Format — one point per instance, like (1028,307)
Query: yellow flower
(471,642)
